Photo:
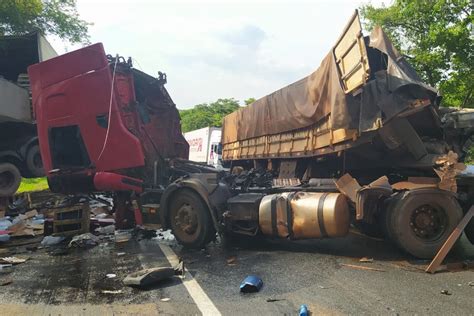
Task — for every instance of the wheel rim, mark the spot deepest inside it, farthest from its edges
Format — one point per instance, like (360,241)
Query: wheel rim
(428,222)
(6,179)
(186,222)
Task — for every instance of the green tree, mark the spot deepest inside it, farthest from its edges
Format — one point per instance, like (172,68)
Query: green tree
(207,114)
(437,38)
(249,101)
(57,17)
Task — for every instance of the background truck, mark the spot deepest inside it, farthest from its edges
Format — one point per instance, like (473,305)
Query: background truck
(360,141)
(205,145)
(19,149)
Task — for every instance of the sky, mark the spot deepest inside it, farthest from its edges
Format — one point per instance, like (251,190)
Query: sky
(218,49)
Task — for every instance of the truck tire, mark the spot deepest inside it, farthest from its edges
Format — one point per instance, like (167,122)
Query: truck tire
(10,179)
(190,220)
(34,164)
(420,221)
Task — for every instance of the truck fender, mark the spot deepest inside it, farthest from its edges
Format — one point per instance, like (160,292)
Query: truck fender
(190,183)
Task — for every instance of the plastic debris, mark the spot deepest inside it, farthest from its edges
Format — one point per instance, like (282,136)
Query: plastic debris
(4,224)
(471,284)
(4,238)
(165,299)
(119,254)
(122,236)
(446,292)
(303,310)
(51,240)
(251,284)
(111,275)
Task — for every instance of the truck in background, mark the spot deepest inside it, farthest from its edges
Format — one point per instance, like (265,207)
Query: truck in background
(19,148)
(205,145)
(361,141)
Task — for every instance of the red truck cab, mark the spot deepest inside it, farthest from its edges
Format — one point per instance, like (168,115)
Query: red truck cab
(102,125)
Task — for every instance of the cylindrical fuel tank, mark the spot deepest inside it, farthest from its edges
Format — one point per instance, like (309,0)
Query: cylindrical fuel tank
(300,215)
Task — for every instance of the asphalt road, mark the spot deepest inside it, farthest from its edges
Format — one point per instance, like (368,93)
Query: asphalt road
(294,273)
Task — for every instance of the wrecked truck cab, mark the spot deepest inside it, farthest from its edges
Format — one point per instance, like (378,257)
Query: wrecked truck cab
(102,125)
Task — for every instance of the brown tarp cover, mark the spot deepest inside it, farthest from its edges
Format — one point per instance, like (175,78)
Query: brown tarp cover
(393,85)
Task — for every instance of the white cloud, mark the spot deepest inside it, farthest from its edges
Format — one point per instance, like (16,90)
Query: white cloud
(218,49)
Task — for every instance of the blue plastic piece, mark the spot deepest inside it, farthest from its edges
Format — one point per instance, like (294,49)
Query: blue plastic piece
(304,310)
(251,284)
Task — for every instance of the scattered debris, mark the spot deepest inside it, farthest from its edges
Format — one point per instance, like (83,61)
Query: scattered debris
(148,277)
(122,236)
(165,299)
(13,260)
(231,261)
(51,240)
(106,230)
(119,254)
(111,275)
(361,267)
(365,259)
(251,284)
(471,284)
(271,300)
(111,291)
(446,292)
(86,240)
(303,310)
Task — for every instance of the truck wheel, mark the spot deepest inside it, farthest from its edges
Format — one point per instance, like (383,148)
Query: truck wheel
(421,220)
(190,220)
(34,164)
(10,179)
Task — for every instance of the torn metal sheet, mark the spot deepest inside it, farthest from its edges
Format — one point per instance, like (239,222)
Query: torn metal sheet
(447,168)
(348,186)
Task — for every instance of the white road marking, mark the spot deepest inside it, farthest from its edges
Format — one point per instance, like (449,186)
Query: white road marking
(200,297)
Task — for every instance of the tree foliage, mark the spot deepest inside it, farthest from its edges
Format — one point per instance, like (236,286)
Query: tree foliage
(207,114)
(437,38)
(249,101)
(57,17)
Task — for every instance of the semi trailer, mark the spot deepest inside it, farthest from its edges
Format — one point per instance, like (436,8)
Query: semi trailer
(19,149)
(361,141)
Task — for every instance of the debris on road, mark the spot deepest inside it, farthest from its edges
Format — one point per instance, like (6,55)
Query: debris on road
(303,310)
(361,267)
(51,240)
(446,292)
(251,284)
(111,291)
(231,261)
(165,299)
(366,260)
(111,275)
(271,300)
(12,260)
(147,277)
(471,284)
(86,240)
